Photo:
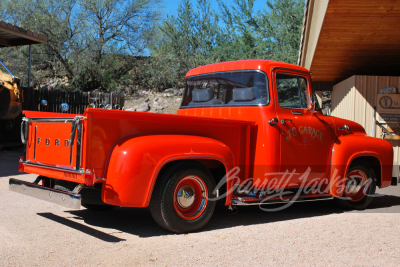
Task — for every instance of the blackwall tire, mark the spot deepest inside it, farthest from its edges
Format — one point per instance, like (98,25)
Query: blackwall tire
(359,188)
(180,201)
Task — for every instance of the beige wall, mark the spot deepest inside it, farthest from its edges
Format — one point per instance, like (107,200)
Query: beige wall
(354,99)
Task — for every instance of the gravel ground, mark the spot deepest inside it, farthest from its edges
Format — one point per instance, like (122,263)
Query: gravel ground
(35,232)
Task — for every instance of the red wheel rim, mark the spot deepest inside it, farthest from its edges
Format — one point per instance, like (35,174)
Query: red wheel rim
(190,197)
(356,185)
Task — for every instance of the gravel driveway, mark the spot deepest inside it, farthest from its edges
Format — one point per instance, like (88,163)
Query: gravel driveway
(35,232)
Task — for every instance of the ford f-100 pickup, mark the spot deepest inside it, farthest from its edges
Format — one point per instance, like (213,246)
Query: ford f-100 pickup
(248,132)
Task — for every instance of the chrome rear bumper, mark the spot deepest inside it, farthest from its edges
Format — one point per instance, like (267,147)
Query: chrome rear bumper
(62,198)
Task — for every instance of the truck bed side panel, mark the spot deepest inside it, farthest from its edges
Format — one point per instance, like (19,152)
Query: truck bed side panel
(106,127)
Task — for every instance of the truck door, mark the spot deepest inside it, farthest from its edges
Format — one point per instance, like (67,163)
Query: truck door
(305,138)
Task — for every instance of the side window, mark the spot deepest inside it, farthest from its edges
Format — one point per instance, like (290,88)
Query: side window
(292,91)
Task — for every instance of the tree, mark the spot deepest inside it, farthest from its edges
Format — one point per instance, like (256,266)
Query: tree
(272,33)
(96,41)
(190,37)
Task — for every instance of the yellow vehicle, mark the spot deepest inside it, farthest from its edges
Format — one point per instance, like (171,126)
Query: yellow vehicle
(11,92)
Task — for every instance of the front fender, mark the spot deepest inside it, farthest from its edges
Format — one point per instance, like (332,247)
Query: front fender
(349,147)
(135,162)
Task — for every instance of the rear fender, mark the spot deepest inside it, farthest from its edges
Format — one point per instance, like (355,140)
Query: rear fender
(350,147)
(135,162)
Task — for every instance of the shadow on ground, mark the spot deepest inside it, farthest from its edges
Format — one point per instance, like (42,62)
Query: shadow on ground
(139,222)
(9,161)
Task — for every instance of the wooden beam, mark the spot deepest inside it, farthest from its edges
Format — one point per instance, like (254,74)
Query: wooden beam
(322,86)
(22,33)
(5,42)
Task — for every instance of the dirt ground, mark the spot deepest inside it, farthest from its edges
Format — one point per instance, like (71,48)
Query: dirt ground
(34,232)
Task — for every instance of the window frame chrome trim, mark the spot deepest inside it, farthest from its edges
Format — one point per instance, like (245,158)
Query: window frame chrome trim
(226,105)
(298,75)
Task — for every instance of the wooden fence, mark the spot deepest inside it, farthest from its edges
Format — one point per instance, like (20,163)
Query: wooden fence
(77,101)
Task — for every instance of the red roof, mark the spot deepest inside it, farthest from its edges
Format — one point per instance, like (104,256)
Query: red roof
(253,64)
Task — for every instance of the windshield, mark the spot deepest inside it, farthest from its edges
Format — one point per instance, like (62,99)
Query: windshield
(226,89)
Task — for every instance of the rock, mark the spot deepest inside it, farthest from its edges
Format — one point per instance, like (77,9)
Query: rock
(130,109)
(146,100)
(169,95)
(156,99)
(165,101)
(143,107)
(157,106)
(178,99)
(141,94)
(169,90)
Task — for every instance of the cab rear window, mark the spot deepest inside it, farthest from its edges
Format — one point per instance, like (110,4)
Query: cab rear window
(248,88)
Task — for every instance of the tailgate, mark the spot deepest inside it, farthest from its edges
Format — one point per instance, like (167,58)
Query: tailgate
(54,143)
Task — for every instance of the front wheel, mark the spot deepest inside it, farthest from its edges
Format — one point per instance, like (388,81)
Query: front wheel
(180,201)
(359,187)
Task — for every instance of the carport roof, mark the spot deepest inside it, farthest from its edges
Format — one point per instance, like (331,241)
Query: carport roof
(11,35)
(342,38)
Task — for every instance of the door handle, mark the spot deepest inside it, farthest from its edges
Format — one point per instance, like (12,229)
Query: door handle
(297,112)
(283,120)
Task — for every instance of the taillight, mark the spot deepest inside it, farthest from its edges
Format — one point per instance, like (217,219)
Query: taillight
(90,177)
(21,164)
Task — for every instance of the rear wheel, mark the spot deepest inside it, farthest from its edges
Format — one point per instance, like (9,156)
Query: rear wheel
(180,201)
(359,187)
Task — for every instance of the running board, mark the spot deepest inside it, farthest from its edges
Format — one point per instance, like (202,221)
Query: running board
(239,201)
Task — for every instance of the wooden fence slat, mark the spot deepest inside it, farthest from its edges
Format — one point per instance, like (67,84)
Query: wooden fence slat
(77,101)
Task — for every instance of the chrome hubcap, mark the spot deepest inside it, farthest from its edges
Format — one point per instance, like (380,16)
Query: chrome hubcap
(185,197)
(353,186)
(357,185)
(190,197)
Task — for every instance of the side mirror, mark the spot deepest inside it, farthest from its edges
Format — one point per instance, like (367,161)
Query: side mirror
(314,101)
(328,112)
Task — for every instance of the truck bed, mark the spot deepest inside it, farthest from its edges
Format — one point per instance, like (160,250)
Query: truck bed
(62,147)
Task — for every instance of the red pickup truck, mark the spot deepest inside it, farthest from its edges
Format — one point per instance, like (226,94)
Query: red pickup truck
(248,132)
